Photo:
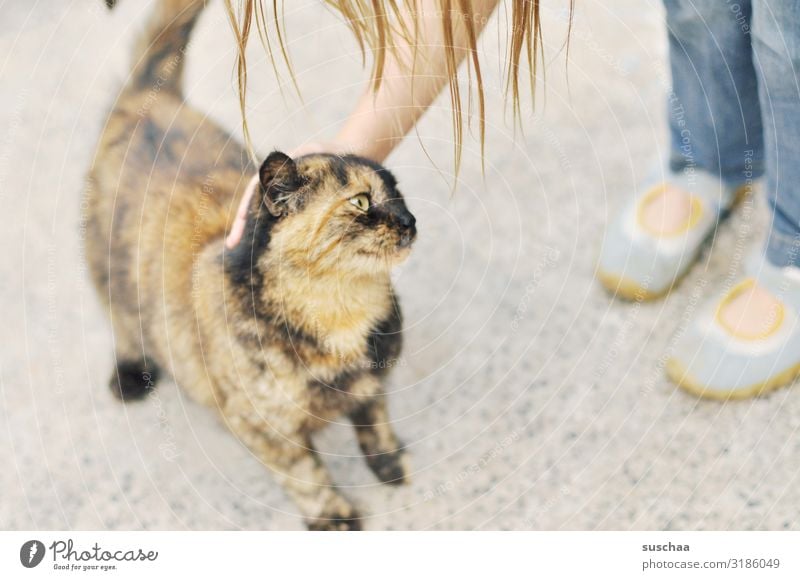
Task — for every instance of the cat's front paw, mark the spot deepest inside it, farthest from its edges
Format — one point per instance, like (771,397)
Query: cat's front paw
(390,467)
(133,380)
(340,520)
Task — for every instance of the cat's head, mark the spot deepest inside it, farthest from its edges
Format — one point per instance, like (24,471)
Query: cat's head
(331,211)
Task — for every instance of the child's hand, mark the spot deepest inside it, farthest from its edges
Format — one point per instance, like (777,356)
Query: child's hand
(382,118)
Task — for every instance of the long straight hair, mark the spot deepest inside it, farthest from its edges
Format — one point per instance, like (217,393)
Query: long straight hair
(380,26)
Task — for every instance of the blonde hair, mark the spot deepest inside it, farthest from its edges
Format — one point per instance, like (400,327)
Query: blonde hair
(381,25)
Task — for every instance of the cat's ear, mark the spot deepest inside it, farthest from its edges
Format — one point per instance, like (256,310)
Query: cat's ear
(279,180)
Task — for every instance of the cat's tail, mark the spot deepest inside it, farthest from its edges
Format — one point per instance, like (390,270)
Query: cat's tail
(160,51)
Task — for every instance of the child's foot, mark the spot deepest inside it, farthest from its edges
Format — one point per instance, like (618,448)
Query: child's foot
(668,210)
(746,342)
(657,237)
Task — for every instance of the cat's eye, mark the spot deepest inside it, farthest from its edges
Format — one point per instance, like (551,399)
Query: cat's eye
(361,201)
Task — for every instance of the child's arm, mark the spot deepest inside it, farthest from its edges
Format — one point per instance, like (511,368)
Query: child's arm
(381,119)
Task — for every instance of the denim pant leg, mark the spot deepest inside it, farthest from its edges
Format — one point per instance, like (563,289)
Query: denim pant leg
(776,46)
(715,121)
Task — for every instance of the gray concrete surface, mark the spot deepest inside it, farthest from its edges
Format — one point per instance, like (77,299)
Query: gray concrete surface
(529,399)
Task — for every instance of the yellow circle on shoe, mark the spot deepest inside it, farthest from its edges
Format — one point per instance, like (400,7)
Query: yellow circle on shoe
(681,210)
(737,309)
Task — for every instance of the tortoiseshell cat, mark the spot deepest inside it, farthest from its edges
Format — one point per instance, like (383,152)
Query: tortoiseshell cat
(291,329)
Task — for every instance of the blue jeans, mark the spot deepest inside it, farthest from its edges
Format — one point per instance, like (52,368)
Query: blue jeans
(735,106)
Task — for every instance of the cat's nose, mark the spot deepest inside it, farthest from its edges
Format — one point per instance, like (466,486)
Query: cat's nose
(408,230)
(407,220)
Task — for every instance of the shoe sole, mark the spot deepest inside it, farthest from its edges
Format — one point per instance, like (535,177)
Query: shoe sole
(621,287)
(678,375)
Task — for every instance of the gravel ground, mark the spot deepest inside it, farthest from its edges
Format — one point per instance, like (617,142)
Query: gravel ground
(529,398)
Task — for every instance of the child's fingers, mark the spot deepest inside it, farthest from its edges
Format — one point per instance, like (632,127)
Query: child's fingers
(237,229)
(235,234)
